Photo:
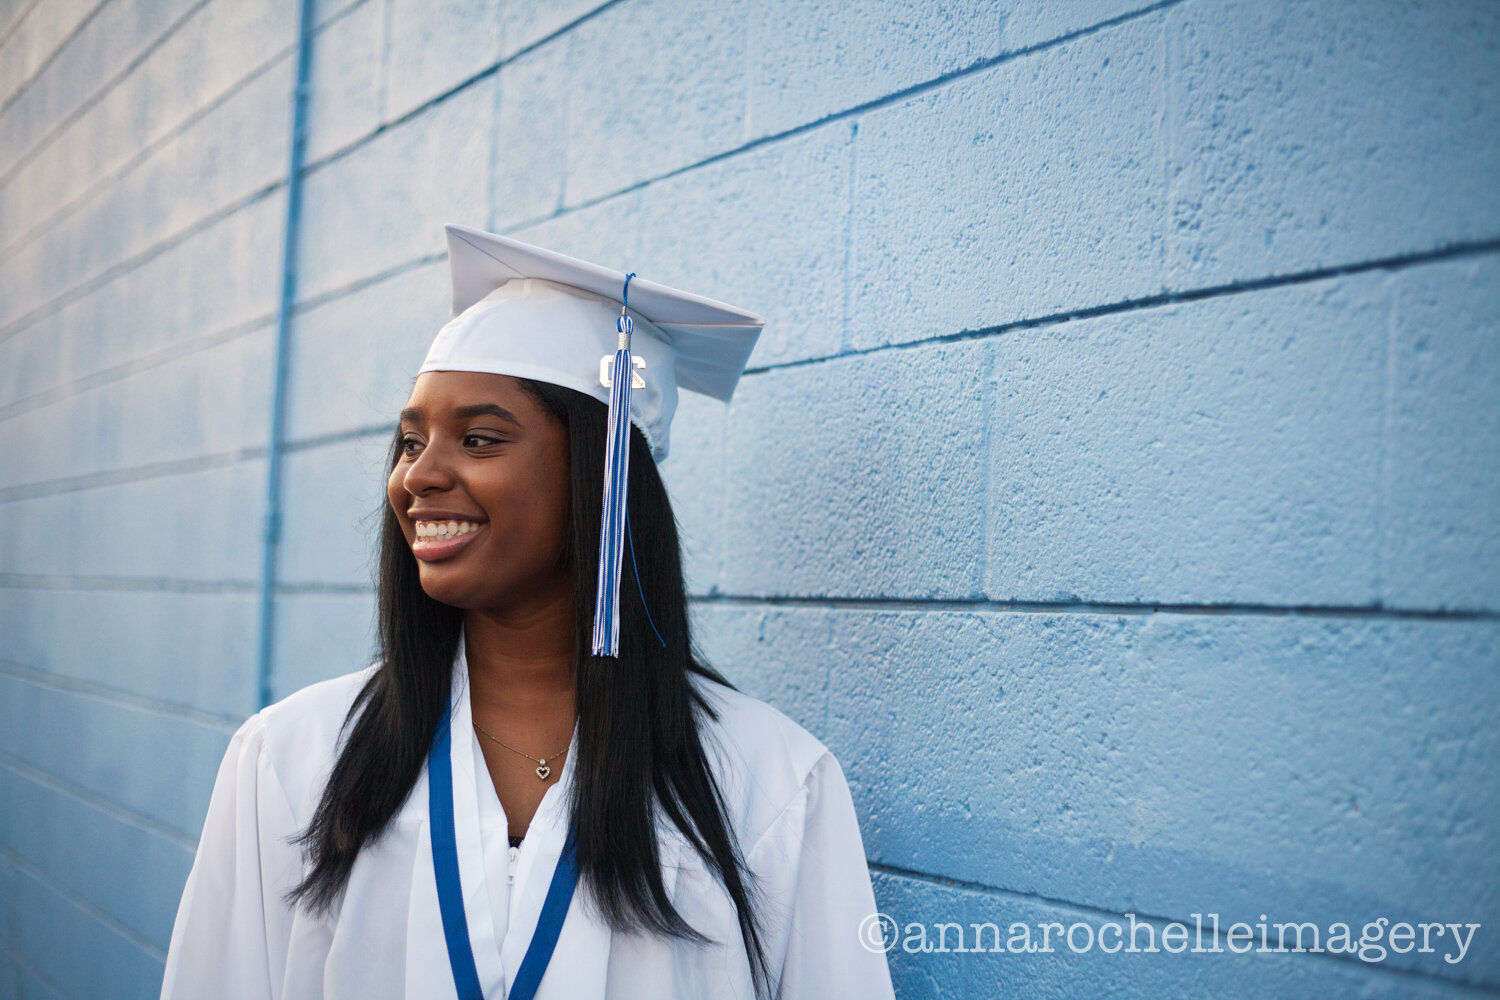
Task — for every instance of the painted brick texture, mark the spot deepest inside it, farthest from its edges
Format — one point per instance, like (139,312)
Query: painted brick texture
(1115,488)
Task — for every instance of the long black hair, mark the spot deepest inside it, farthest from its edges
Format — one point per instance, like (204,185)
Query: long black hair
(639,716)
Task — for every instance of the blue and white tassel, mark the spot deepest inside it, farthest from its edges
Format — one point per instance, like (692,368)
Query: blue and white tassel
(606,641)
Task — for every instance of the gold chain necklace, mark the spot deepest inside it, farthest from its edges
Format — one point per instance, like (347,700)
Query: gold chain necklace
(543,769)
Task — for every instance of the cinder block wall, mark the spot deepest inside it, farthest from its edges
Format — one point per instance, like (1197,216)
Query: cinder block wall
(1116,487)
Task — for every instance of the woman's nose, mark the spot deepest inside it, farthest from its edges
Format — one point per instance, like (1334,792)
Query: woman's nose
(429,471)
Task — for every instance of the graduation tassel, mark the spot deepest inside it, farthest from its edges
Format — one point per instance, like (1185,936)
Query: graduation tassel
(606,640)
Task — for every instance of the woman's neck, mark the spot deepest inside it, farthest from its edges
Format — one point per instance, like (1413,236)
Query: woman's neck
(522,662)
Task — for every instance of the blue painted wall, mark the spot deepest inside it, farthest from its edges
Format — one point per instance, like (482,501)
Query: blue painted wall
(1116,487)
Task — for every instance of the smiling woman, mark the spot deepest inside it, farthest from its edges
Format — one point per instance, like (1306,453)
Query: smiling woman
(539,790)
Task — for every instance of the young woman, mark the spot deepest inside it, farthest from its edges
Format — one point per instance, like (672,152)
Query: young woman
(538,790)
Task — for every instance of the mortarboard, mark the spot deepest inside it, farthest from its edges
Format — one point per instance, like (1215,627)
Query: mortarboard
(532,313)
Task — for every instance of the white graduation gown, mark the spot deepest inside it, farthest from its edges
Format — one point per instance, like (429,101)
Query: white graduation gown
(788,803)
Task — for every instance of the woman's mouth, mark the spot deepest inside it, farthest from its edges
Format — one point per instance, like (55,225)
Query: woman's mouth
(443,539)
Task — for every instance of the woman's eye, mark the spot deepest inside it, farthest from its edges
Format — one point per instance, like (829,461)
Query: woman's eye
(410,446)
(480,440)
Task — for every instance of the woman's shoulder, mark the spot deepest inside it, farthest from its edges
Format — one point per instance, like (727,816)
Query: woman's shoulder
(764,757)
(297,738)
(317,704)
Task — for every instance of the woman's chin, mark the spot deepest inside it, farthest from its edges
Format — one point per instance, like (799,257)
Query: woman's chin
(450,588)
(462,590)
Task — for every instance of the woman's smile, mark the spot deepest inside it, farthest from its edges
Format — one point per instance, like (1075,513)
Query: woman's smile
(442,539)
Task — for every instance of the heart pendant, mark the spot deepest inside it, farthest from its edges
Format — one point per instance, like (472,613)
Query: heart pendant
(543,770)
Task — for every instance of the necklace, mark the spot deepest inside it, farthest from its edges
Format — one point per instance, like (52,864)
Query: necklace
(543,769)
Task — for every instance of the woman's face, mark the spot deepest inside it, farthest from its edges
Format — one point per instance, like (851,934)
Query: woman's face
(481,491)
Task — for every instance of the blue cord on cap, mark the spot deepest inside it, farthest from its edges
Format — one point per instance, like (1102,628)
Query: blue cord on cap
(638,588)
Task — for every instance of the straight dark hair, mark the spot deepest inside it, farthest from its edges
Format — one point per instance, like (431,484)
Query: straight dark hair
(639,716)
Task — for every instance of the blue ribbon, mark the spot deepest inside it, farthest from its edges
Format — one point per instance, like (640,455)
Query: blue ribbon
(549,923)
(450,888)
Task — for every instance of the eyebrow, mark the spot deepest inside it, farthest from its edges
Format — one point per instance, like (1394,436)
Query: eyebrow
(413,414)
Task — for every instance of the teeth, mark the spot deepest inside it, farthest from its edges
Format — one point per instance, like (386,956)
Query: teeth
(445,529)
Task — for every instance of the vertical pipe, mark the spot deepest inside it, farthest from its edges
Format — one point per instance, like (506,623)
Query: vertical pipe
(274,450)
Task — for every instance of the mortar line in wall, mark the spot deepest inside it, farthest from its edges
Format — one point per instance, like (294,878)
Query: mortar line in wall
(134,366)
(183,348)
(315,589)
(282,362)
(125,584)
(138,157)
(160,585)
(492,147)
(851,235)
(382,81)
(1393,263)
(323,21)
(479,76)
(1397,262)
(892,98)
(26,84)
(315,441)
(1387,414)
(97,802)
(718,491)
(353,287)
(121,267)
(984,888)
(104,89)
(1164,130)
(118,584)
(304,305)
(176,130)
(1452,251)
(991,460)
(130,474)
(81,902)
(1088,909)
(176,467)
(15,24)
(21,959)
(970,885)
(119,698)
(895,97)
(1227,609)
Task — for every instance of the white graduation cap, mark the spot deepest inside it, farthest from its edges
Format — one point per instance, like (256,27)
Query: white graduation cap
(532,313)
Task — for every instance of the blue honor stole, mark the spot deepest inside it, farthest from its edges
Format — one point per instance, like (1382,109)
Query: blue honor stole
(450,889)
